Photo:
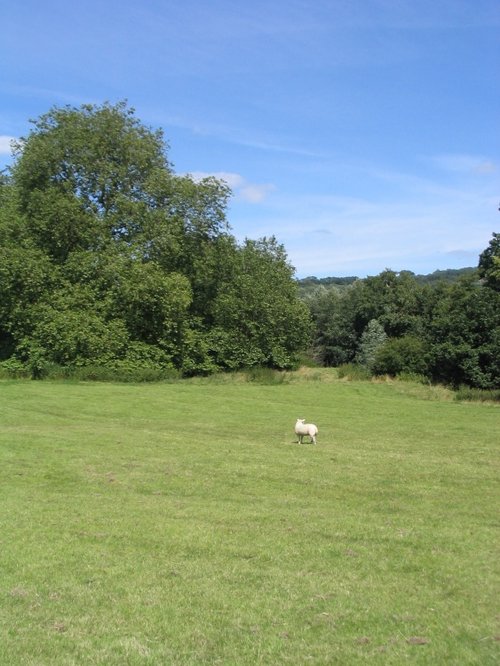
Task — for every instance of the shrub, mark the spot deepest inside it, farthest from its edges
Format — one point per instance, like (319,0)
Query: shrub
(123,372)
(401,355)
(373,338)
(117,371)
(12,368)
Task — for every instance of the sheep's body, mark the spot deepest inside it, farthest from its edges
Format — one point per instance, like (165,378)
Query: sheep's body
(306,429)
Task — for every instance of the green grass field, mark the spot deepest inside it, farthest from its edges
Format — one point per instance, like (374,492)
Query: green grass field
(180,524)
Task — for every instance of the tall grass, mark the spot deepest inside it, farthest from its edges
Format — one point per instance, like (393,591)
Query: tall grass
(354,371)
(120,372)
(179,523)
(261,375)
(478,395)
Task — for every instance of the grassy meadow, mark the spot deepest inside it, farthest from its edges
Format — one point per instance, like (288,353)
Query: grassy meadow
(180,523)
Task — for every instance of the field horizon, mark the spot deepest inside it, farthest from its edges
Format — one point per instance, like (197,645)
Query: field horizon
(181,523)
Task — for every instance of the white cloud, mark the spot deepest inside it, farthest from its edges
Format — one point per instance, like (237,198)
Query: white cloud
(413,224)
(232,179)
(255,193)
(465,163)
(5,147)
(242,189)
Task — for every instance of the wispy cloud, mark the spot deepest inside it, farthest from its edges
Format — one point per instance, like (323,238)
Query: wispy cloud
(364,238)
(402,221)
(249,192)
(465,163)
(232,134)
(5,144)
(54,95)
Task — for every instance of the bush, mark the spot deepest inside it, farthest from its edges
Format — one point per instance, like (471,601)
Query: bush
(123,373)
(401,355)
(118,371)
(73,337)
(373,338)
(12,368)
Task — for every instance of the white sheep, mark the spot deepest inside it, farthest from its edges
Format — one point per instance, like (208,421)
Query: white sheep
(308,429)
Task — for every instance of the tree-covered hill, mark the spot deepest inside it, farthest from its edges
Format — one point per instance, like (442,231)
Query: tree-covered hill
(309,284)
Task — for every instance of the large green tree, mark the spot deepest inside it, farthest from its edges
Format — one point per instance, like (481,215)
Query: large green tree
(462,334)
(334,336)
(489,263)
(106,255)
(258,317)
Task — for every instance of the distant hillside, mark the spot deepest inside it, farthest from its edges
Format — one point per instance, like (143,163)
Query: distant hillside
(327,281)
(308,284)
(449,275)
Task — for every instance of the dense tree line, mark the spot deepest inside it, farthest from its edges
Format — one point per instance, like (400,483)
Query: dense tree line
(393,324)
(310,284)
(108,257)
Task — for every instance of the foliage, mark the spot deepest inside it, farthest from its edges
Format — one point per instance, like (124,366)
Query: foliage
(462,332)
(121,372)
(396,302)
(448,275)
(342,318)
(110,259)
(448,333)
(335,340)
(400,355)
(258,318)
(13,368)
(310,286)
(489,263)
(104,251)
(373,337)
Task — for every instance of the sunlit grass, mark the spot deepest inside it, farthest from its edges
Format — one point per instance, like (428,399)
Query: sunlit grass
(180,524)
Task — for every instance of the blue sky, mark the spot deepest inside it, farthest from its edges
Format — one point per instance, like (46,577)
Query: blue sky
(363,134)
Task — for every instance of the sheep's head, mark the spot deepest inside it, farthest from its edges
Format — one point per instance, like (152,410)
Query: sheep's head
(300,420)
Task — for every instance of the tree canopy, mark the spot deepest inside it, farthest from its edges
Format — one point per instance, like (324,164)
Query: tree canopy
(392,324)
(489,263)
(108,257)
